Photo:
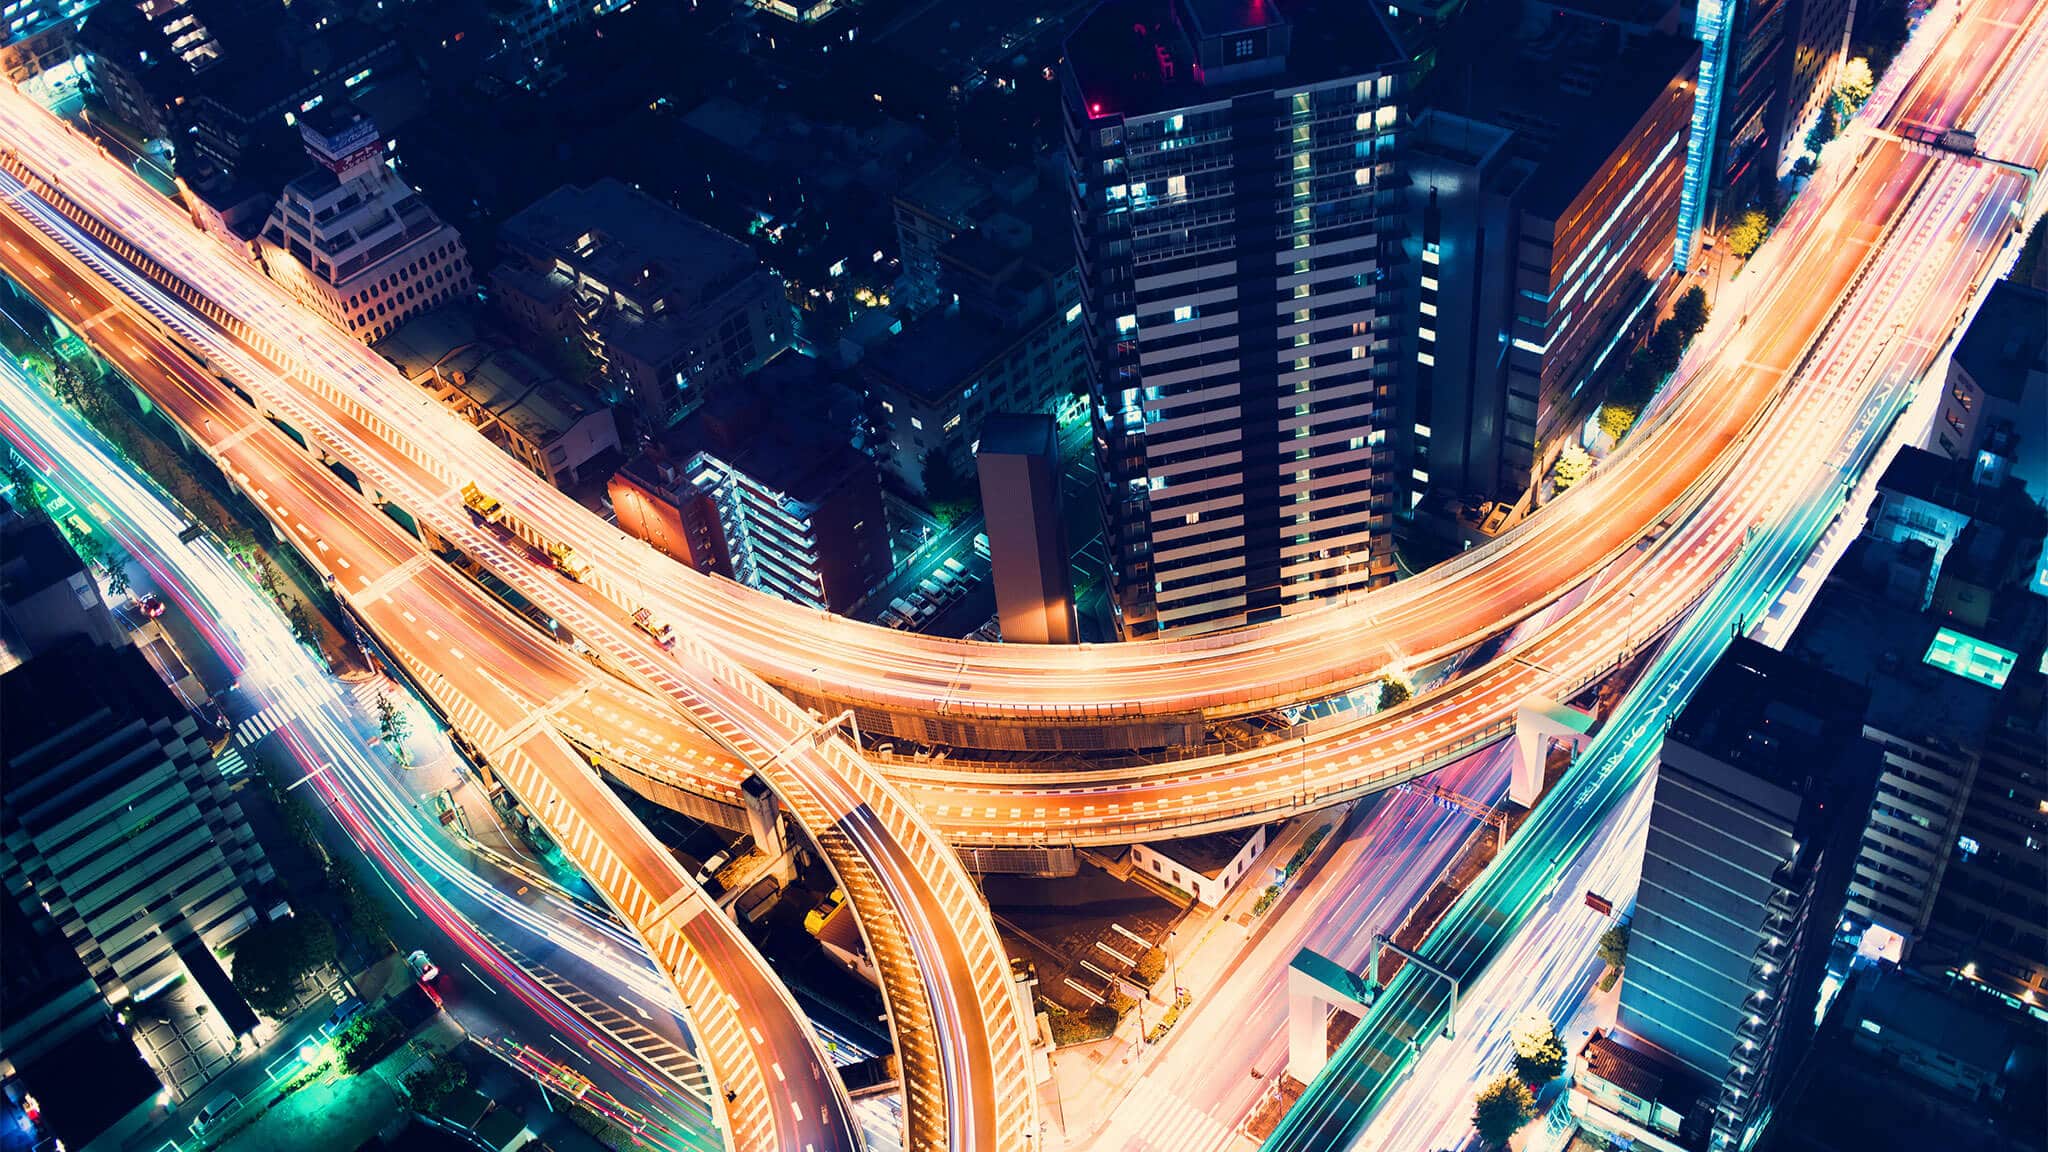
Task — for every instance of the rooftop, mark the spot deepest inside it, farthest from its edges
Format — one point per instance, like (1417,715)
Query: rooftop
(88,1082)
(630,242)
(1573,95)
(1856,634)
(60,689)
(1020,434)
(1134,58)
(787,426)
(33,556)
(2007,340)
(1963,1027)
(1640,1070)
(1208,853)
(1771,715)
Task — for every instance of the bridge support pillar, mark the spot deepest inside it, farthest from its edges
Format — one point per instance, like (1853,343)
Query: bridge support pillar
(1315,983)
(1539,723)
(764,824)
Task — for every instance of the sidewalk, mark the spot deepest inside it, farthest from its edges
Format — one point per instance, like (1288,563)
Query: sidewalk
(1090,1081)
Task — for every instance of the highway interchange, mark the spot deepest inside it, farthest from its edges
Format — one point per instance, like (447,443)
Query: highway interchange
(1736,447)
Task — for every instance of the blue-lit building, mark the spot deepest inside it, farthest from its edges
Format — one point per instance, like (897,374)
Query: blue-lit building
(1761,783)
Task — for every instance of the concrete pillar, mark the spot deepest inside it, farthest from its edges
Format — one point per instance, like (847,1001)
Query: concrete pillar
(764,824)
(1539,722)
(1314,984)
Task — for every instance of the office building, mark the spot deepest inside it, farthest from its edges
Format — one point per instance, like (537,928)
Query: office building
(1019,462)
(765,484)
(1227,162)
(47,597)
(1996,404)
(1761,779)
(671,309)
(355,243)
(1544,204)
(561,431)
(116,825)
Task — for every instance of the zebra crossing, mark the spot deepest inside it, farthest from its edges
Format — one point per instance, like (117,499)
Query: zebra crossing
(262,724)
(1156,1119)
(230,762)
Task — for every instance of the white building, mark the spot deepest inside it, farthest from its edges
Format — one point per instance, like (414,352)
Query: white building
(353,241)
(1207,867)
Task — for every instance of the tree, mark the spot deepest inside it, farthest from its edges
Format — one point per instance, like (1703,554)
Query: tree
(393,726)
(1614,946)
(1823,129)
(270,959)
(436,1082)
(1856,84)
(1539,1054)
(1394,692)
(1501,1109)
(1689,314)
(1667,348)
(1616,420)
(367,1039)
(117,579)
(1573,465)
(1747,234)
(953,498)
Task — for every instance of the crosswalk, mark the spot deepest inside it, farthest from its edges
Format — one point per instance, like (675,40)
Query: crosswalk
(1156,1119)
(230,762)
(262,724)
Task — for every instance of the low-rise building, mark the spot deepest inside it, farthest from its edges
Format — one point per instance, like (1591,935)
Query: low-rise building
(354,242)
(46,595)
(1625,1087)
(562,432)
(1208,867)
(671,309)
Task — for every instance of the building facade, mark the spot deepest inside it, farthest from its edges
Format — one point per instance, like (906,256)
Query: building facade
(1019,464)
(1743,871)
(354,242)
(1227,163)
(116,823)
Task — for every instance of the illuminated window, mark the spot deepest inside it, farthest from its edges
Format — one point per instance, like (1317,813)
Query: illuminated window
(1301,162)
(1361,176)
(1301,291)
(1184,312)
(1428,334)
(1424,359)
(1176,186)
(1429,283)
(1126,324)
(1429,255)
(1428,309)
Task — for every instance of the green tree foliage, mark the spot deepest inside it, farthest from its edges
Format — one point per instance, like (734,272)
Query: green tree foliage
(953,497)
(436,1082)
(1747,234)
(1616,420)
(1501,1109)
(117,579)
(1689,313)
(1614,946)
(1394,692)
(1539,1054)
(367,1039)
(1823,129)
(271,958)
(1856,84)
(1573,465)
(393,728)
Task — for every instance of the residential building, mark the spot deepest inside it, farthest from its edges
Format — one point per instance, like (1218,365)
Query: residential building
(564,433)
(1011,340)
(37,51)
(116,824)
(355,243)
(1997,401)
(1227,163)
(1544,206)
(1904,1063)
(1638,1094)
(765,485)
(1019,463)
(1929,722)
(47,597)
(1744,869)
(671,309)
(1208,867)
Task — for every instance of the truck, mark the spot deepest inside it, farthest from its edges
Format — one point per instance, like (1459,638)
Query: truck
(567,562)
(659,629)
(482,506)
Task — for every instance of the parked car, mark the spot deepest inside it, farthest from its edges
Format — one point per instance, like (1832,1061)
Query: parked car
(423,967)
